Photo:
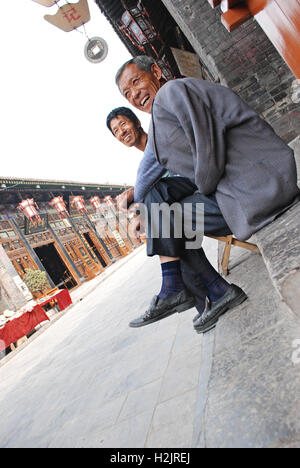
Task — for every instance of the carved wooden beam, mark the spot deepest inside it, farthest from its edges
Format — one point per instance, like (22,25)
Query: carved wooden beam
(235,17)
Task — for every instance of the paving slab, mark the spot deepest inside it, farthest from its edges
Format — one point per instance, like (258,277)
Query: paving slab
(91,381)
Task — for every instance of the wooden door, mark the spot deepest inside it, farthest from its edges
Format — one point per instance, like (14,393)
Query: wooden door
(85,264)
(100,248)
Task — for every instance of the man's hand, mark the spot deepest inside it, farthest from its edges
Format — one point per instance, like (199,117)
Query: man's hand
(125,199)
(137,228)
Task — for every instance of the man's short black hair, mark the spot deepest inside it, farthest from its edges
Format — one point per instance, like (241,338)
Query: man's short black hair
(126,112)
(143,62)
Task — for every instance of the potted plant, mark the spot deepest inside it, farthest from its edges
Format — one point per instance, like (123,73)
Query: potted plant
(36,282)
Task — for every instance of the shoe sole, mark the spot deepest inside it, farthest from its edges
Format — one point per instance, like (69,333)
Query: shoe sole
(213,322)
(178,309)
(186,306)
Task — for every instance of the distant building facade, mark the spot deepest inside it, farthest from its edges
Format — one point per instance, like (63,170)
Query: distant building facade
(73,241)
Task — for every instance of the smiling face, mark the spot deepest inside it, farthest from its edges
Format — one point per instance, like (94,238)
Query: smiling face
(125,130)
(140,87)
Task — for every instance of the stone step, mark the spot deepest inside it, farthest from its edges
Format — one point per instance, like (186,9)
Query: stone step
(249,374)
(279,243)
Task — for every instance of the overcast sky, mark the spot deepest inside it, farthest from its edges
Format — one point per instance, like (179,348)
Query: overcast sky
(54,102)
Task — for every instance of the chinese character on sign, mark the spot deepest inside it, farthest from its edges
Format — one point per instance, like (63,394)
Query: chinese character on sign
(72,15)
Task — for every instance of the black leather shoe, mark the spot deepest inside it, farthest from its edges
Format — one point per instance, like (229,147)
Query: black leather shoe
(213,310)
(197,317)
(163,308)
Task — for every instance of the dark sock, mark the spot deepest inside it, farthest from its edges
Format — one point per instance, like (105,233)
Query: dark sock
(217,289)
(214,282)
(171,279)
(201,279)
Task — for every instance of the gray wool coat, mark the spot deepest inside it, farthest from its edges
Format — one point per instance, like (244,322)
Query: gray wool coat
(205,132)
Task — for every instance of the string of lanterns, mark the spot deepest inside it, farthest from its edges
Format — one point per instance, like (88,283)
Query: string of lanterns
(72,16)
(30,209)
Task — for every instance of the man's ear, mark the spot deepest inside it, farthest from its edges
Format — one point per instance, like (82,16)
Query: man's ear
(156,71)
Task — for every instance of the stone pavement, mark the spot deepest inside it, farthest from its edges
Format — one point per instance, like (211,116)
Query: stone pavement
(249,385)
(91,381)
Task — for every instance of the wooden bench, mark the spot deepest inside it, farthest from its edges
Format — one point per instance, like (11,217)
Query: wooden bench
(230,241)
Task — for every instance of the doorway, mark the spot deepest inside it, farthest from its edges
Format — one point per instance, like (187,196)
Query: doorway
(95,250)
(55,267)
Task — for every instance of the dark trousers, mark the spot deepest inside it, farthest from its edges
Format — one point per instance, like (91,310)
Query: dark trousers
(181,190)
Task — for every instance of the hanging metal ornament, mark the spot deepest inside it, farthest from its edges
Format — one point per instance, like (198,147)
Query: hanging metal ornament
(70,16)
(96,50)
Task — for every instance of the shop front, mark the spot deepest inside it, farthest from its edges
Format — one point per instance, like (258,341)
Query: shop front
(72,244)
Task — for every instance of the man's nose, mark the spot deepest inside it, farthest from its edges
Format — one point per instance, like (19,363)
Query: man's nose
(123,131)
(135,93)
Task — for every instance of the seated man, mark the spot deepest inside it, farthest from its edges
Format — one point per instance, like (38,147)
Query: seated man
(126,127)
(206,133)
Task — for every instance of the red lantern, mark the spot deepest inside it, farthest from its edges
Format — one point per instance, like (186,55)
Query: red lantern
(59,204)
(78,203)
(109,201)
(136,25)
(96,202)
(29,208)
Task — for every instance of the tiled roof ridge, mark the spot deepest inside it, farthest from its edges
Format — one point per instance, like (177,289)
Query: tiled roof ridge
(10,179)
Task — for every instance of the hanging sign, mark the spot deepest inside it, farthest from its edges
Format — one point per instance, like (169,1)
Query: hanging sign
(188,63)
(40,225)
(47,3)
(96,50)
(119,239)
(70,16)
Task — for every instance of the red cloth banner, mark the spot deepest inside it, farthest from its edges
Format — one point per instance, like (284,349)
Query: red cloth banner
(63,299)
(21,326)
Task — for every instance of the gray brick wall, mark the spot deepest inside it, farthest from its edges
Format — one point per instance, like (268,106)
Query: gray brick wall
(245,60)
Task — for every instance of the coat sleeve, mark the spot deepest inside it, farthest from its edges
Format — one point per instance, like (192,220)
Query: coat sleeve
(149,172)
(182,112)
